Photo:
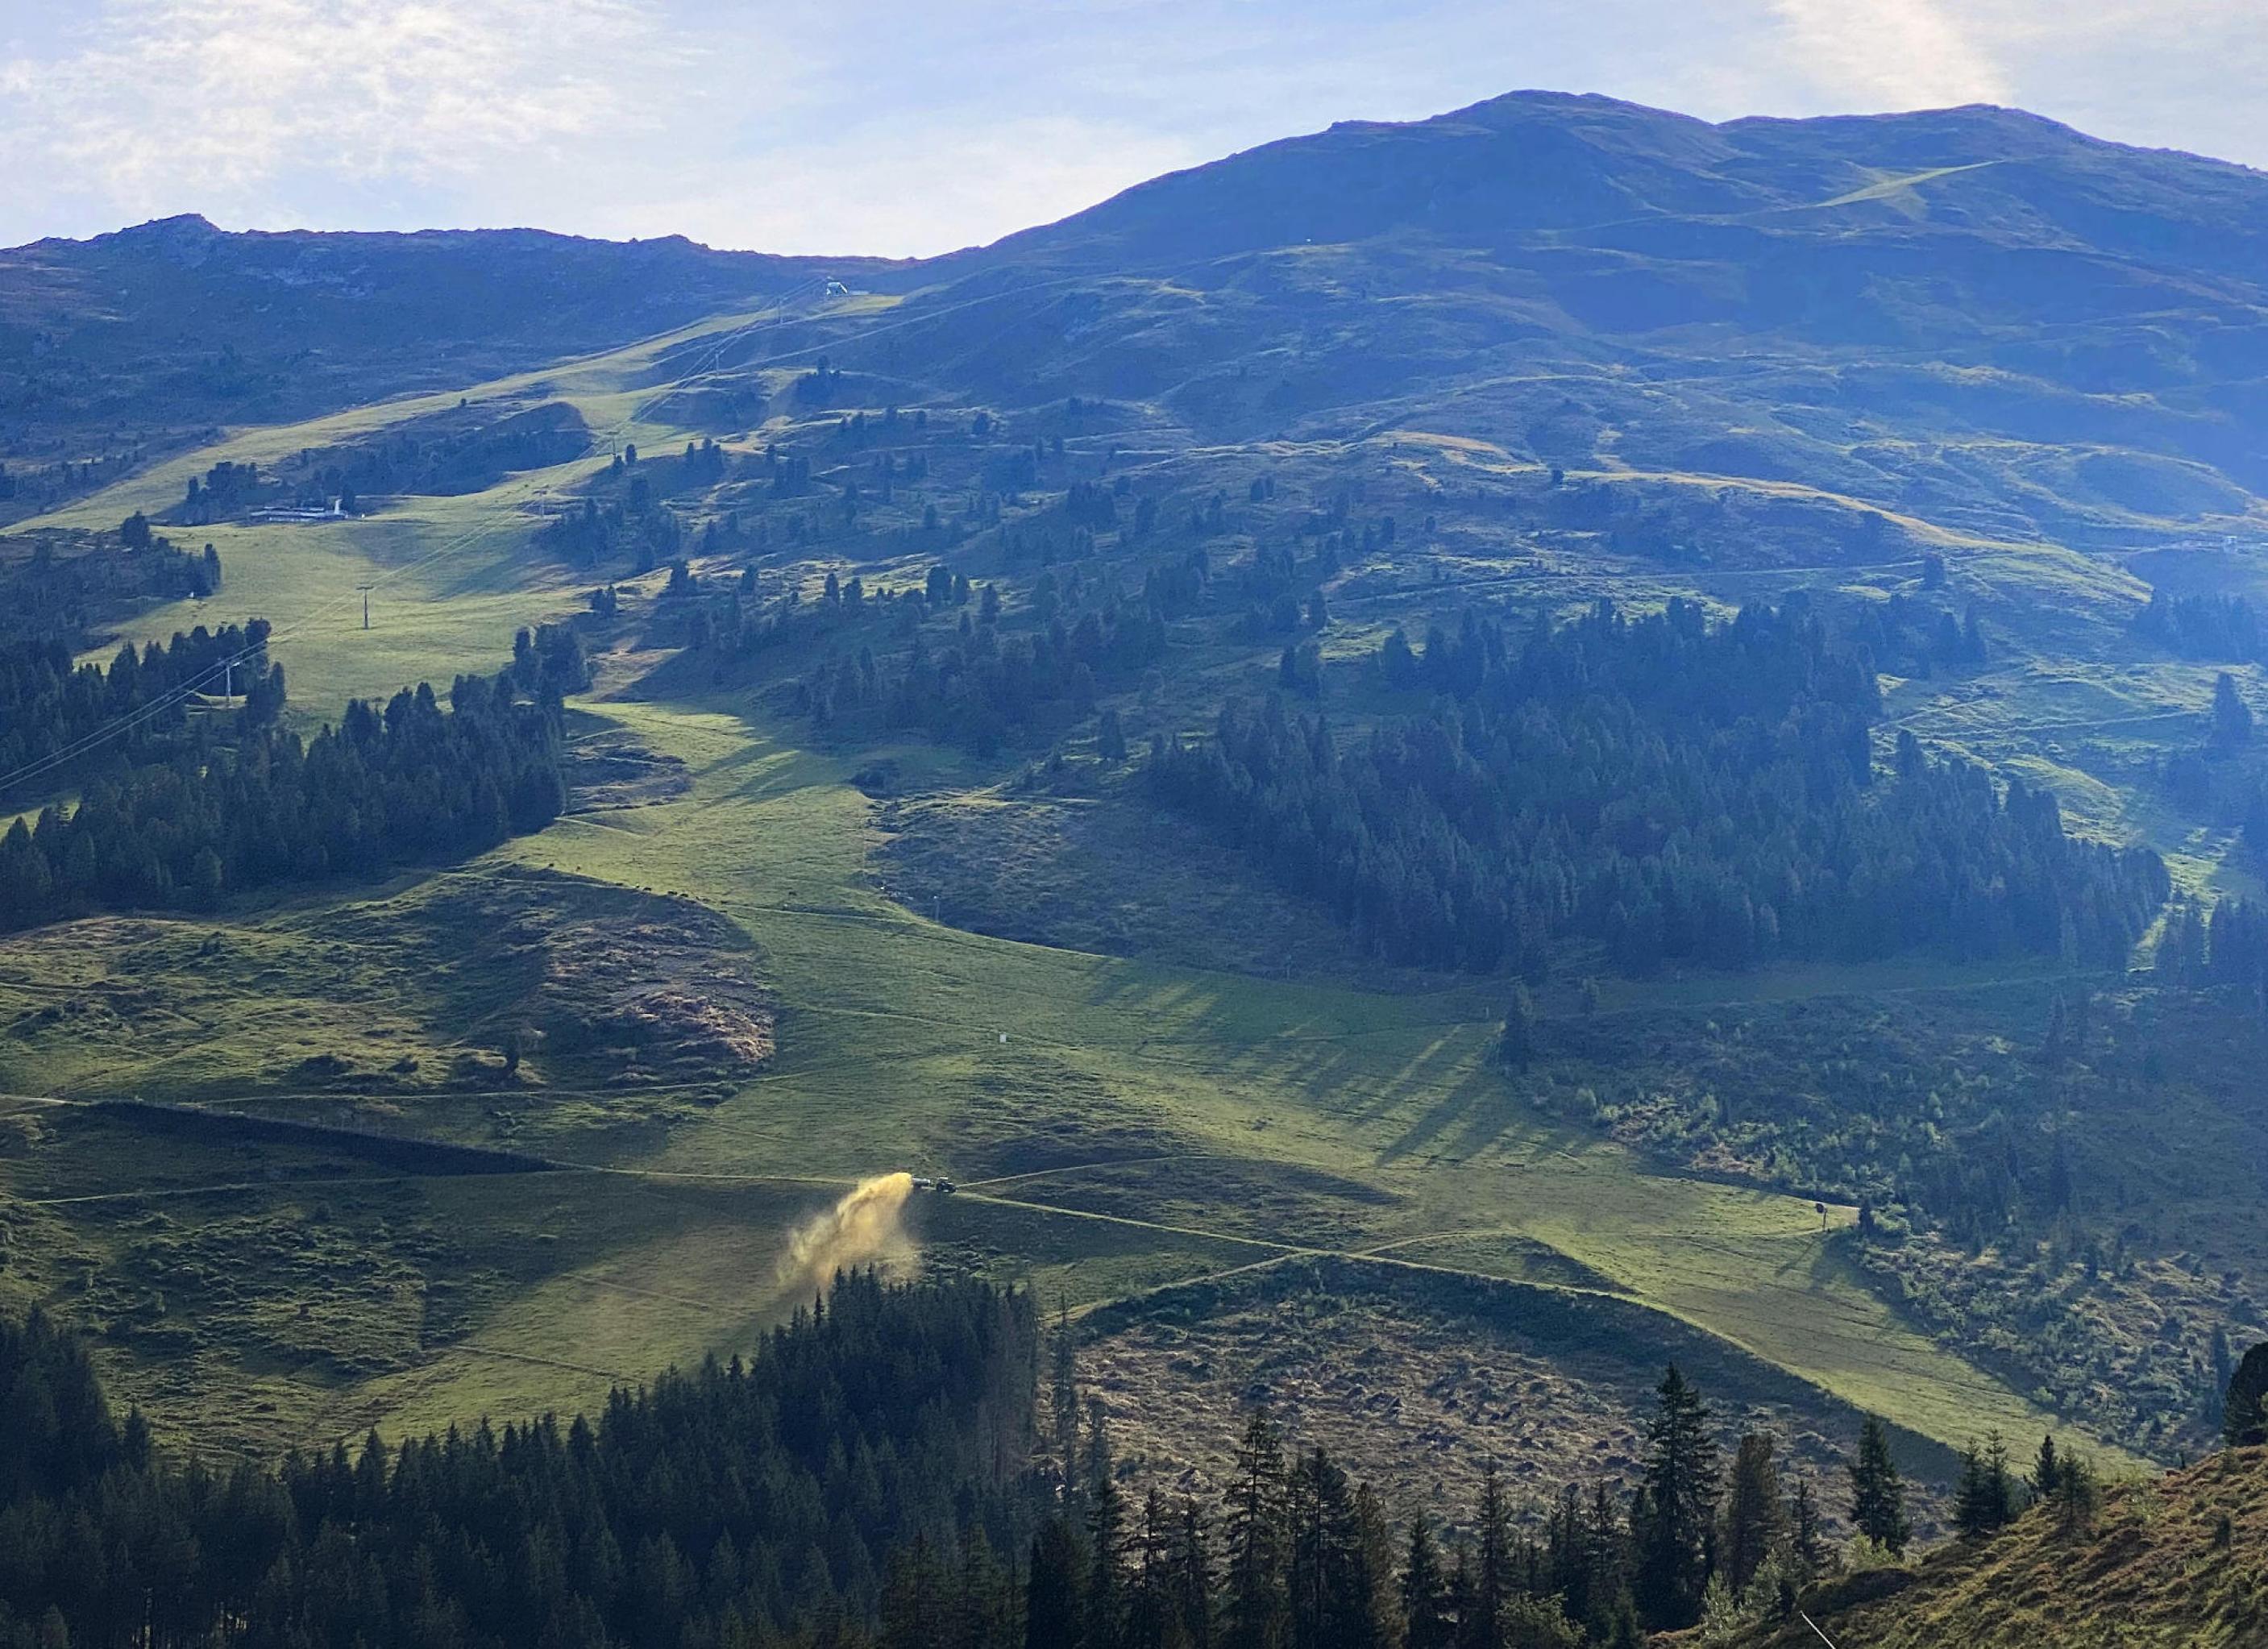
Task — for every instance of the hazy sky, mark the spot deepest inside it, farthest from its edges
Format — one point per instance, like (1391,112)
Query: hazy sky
(914,126)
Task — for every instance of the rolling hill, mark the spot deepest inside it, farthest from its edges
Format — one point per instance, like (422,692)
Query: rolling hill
(1899,373)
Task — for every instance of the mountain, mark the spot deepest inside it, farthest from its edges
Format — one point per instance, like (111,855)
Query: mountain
(117,349)
(1972,314)
(1436,765)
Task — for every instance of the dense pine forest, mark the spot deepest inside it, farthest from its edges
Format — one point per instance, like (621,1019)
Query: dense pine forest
(204,805)
(49,705)
(71,580)
(744,1502)
(881,1473)
(1671,791)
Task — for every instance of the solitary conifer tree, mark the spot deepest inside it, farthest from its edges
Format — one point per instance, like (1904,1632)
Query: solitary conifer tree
(1754,1517)
(2047,1470)
(1680,1506)
(1878,1495)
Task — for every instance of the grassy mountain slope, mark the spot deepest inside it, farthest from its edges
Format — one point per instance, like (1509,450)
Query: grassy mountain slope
(123,346)
(2172,1560)
(1765,357)
(1909,309)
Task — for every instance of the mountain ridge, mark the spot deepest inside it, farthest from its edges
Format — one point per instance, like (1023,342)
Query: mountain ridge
(1925,311)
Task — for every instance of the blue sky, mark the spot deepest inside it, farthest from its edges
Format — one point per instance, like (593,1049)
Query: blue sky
(886,127)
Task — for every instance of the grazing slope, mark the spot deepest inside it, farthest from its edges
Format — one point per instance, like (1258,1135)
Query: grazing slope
(1931,370)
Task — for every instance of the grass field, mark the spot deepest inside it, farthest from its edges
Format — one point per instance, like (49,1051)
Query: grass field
(1119,1124)
(891,1043)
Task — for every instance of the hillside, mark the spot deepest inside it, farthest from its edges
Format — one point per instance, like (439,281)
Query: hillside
(2170,1561)
(1541,728)
(1976,315)
(117,349)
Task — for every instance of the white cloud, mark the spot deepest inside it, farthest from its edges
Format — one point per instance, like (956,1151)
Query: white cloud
(1889,53)
(914,126)
(158,104)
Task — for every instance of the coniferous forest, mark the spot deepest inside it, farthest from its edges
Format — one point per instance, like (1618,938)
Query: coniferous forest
(72,579)
(203,804)
(743,1503)
(48,704)
(890,1469)
(1671,791)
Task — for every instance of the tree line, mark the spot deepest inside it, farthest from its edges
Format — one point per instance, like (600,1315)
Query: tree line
(1669,790)
(880,1474)
(1295,1554)
(2222,627)
(403,783)
(74,581)
(1292,1554)
(746,1504)
(49,703)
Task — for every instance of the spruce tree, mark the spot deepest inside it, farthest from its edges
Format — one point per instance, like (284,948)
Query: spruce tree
(1464,1614)
(1493,1579)
(1805,1542)
(2244,1409)
(1606,1568)
(1970,1514)
(910,1618)
(1374,1617)
(1051,1588)
(2001,1493)
(1984,1498)
(2046,1469)
(1254,1612)
(1878,1495)
(1333,1588)
(1426,1618)
(1754,1516)
(1150,1602)
(2075,1495)
(1680,1507)
(1063,1399)
(1567,1553)
(1103,1616)
(1192,1579)
(982,1616)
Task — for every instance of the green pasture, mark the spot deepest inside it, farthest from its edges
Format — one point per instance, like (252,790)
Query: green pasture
(1122,1125)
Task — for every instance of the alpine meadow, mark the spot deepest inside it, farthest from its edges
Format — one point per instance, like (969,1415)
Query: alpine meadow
(1487,883)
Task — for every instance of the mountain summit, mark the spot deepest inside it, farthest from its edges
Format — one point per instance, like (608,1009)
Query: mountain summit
(1922,311)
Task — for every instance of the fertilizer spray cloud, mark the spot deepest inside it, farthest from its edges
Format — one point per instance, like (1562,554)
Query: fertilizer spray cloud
(865,1228)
